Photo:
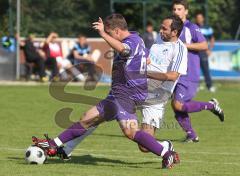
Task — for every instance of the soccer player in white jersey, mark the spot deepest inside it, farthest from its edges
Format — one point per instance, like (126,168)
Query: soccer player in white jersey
(167,61)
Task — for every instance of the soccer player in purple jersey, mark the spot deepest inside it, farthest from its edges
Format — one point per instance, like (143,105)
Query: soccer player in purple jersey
(186,87)
(129,88)
(167,60)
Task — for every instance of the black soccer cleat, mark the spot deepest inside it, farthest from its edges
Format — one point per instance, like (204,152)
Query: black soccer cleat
(217,110)
(62,154)
(168,159)
(176,159)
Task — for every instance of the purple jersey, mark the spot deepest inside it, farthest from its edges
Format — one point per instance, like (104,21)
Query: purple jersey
(191,34)
(129,74)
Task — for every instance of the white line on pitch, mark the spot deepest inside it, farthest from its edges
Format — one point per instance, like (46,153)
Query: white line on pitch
(142,158)
(123,151)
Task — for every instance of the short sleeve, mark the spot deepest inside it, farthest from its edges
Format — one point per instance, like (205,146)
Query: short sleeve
(179,64)
(130,46)
(196,33)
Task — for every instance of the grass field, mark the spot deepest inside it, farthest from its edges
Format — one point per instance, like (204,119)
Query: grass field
(30,110)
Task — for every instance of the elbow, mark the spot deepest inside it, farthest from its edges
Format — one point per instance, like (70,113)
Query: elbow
(125,52)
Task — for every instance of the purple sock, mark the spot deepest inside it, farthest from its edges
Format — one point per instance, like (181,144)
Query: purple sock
(185,122)
(52,143)
(195,106)
(149,142)
(72,132)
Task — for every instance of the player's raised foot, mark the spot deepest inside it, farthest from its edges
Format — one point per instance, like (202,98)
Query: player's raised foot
(62,154)
(168,159)
(217,110)
(45,144)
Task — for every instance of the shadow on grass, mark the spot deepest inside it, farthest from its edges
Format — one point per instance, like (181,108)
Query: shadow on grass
(103,161)
(179,140)
(96,161)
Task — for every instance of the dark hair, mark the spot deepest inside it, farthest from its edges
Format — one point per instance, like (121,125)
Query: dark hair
(81,35)
(115,21)
(181,2)
(199,13)
(177,23)
(149,23)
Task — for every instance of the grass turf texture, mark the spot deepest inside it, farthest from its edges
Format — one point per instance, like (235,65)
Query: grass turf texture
(30,110)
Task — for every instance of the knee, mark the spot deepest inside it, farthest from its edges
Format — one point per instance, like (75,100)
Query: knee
(142,149)
(177,106)
(129,133)
(85,123)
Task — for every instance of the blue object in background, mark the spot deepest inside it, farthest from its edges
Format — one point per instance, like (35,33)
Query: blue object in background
(8,43)
(224,60)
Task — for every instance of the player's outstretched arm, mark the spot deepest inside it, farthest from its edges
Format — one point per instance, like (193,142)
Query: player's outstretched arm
(201,46)
(200,43)
(115,44)
(169,76)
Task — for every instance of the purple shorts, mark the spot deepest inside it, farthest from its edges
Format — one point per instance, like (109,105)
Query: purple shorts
(185,91)
(112,108)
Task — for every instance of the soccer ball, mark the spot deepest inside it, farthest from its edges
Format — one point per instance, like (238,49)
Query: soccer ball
(35,155)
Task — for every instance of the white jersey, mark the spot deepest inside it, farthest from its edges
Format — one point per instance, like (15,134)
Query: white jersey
(165,57)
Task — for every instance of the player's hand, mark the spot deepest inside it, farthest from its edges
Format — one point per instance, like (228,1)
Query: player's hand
(99,26)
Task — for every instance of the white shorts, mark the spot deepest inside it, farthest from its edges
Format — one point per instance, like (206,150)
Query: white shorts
(153,114)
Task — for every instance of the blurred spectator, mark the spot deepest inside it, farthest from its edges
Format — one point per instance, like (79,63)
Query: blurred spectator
(33,55)
(150,36)
(83,57)
(207,31)
(53,51)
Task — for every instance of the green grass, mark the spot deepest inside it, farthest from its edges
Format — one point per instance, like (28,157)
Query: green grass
(30,110)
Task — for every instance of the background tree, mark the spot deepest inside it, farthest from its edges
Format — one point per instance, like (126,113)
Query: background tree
(71,17)
(4,18)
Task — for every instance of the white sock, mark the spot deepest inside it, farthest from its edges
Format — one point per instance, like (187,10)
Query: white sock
(71,145)
(58,142)
(165,145)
